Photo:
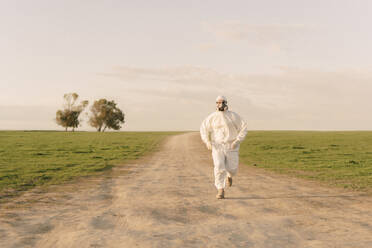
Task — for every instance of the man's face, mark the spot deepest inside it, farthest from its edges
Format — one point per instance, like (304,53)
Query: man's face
(220,104)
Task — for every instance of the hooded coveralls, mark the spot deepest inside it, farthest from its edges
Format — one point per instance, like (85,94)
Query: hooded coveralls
(221,129)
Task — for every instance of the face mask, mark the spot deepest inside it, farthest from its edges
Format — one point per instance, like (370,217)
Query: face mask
(223,107)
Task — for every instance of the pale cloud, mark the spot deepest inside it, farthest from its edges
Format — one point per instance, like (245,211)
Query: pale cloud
(292,98)
(178,98)
(206,46)
(260,33)
(27,117)
(287,81)
(177,74)
(273,37)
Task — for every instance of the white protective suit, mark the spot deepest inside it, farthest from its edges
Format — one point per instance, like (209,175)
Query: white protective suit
(221,129)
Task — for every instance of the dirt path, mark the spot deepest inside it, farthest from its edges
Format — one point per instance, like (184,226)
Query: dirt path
(169,200)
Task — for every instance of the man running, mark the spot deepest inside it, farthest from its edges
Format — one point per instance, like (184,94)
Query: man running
(222,132)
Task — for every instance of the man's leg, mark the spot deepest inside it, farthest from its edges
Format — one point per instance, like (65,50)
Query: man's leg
(219,158)
(232,163)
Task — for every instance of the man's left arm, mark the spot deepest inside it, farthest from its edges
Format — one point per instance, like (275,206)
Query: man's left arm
(204,133)
(242,131)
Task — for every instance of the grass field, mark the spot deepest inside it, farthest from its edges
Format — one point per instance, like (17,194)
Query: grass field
(28,159)
(336,158)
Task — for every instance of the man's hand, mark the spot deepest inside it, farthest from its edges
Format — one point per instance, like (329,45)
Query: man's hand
(234,144)
(209,146)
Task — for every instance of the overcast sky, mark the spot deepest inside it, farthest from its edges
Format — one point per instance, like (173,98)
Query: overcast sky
(286,64)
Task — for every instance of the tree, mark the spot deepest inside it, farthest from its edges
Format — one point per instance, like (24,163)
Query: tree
(105,114)
(69,115)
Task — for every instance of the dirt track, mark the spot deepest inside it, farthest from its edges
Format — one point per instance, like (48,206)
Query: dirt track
(168,200)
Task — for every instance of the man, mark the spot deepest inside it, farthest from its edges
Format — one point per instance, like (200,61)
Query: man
(222,132)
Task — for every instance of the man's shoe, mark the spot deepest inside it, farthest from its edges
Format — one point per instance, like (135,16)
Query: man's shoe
(229,181)
(220,194)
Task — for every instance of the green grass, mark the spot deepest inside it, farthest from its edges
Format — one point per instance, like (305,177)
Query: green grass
(336,158)
(29,159)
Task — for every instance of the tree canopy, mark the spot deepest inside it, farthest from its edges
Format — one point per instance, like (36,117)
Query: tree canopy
(105,114)
(69,115)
